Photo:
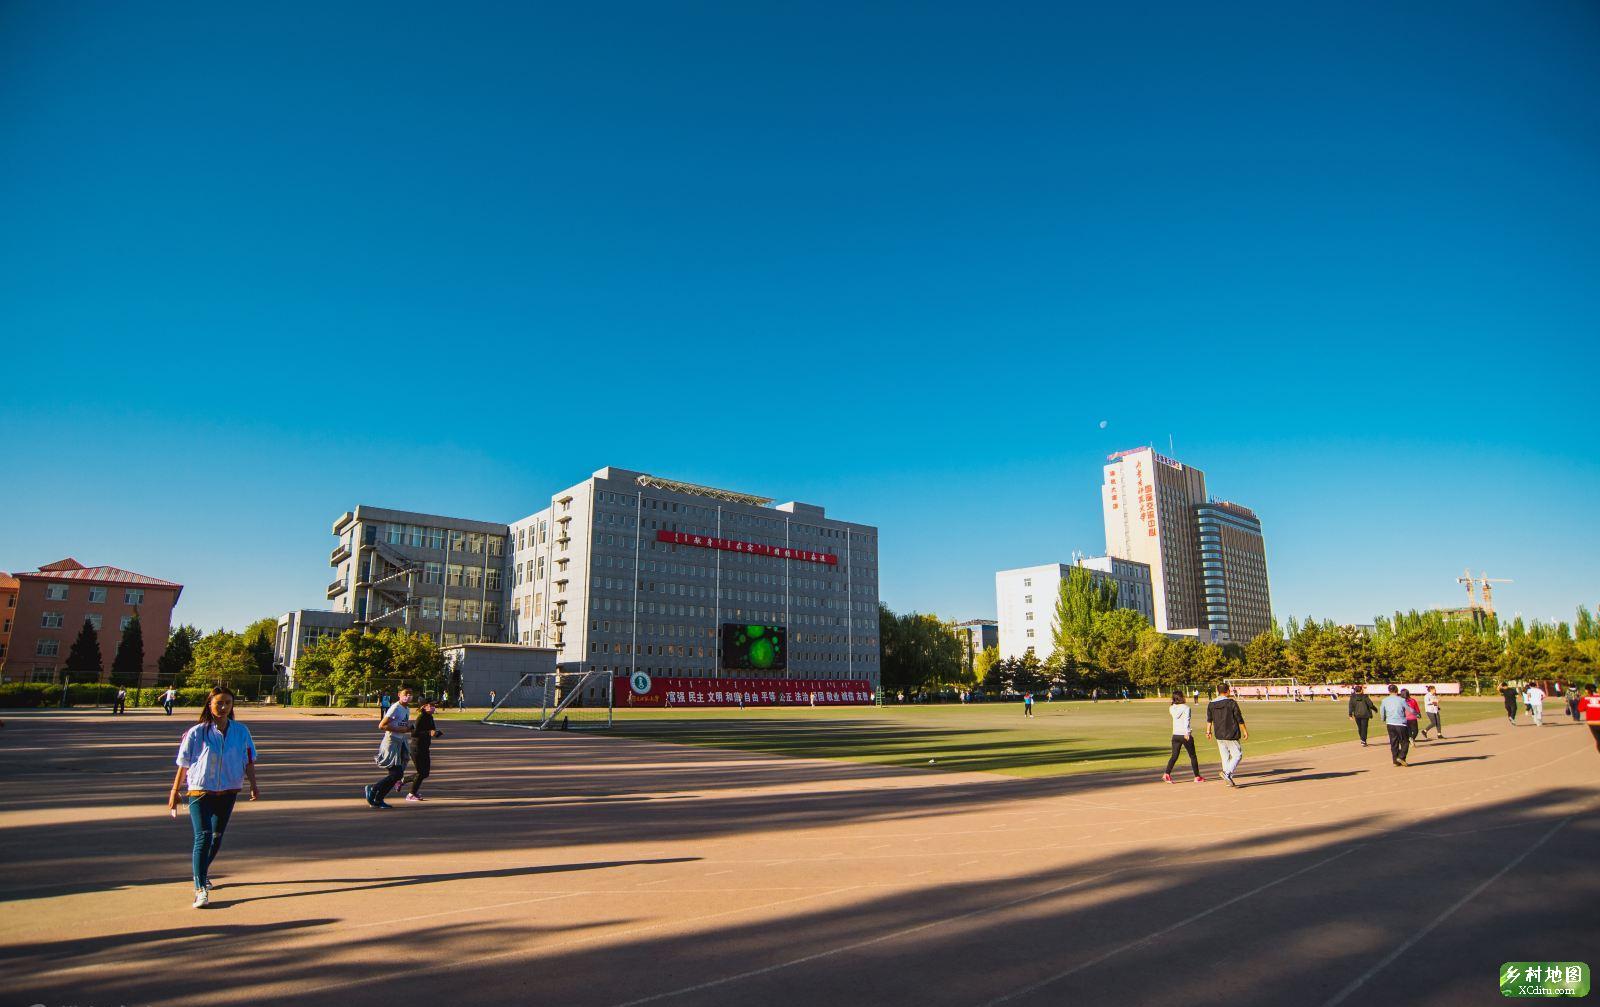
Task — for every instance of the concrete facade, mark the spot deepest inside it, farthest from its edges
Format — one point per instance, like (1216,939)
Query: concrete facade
(628,571)
(431,574)
(976,636)
(497,667)
(300,630)
(53,602)
(1026,600)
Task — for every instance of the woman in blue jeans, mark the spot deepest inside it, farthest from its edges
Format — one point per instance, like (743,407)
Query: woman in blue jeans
(215,759)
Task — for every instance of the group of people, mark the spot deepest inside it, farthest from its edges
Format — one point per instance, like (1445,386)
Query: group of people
(1224,724)
(1402,717)
(403,742)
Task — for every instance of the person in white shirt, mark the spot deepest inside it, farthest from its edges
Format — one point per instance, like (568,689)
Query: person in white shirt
(394,751)
(1430,706)
(1182,739)
(168,698)
(1534,697)
(215,759)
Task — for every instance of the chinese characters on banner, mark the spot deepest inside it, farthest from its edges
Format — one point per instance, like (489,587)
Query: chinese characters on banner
(1147,501)
(691,692)
(1111,477)
(749,548)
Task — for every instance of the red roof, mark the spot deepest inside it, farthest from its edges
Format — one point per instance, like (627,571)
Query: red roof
(70,569)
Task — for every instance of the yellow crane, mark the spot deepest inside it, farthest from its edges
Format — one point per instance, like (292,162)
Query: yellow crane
(1484,580)
(1472,596)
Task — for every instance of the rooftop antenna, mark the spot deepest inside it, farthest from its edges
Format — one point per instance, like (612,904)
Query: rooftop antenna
(1170,449)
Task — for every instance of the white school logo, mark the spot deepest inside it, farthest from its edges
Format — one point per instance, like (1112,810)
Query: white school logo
(639,682)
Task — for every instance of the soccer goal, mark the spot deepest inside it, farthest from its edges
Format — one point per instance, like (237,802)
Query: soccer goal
(1266,688)
(563,701)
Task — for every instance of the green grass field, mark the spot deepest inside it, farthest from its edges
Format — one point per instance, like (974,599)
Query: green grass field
(1061,738)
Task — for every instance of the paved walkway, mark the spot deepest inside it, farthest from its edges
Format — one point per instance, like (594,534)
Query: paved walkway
(576,870)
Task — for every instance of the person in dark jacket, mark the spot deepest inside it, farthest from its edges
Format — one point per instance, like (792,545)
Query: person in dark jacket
(1225,723)
(422,737)
(1511,698)
(1361,710)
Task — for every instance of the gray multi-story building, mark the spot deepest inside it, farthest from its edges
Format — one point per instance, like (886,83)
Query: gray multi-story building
(1233,568)
(1026,599)
(300,630)
(626,571)
(438,575)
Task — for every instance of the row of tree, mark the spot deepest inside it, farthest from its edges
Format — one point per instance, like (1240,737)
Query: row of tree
(355,664)
(85,660)
(1093,644)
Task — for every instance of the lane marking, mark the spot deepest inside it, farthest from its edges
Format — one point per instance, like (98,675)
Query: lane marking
(1024,991)
(1389,959)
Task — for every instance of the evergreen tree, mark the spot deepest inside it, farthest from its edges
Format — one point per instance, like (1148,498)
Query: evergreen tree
(84,658)
(129,662)
(177,660)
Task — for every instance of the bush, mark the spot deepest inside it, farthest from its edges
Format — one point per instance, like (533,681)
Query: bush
(307,697)
(90,694)
(28,695)
(349,702)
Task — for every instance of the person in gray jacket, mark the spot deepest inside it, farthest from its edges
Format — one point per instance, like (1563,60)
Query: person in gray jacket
(1361,710)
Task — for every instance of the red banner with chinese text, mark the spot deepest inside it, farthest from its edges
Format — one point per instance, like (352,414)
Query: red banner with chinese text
(681,693)
(749,548)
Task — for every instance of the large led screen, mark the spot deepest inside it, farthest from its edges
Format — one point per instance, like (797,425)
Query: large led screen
(754,648)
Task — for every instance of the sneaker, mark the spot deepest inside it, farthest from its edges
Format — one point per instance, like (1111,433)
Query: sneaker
(1199,779)
(1166,777)
(202,898)
(1229,778)
(368,791)
(1403,762)
(384,805)
(413,797)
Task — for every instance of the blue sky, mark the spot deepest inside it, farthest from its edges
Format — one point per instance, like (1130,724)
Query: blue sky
(261,264)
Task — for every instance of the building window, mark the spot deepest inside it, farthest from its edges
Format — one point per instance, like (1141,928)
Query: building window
(433,573)
(125,621)
(133,596)
(1030,634)
(1027,599)
(55,592)
(435,538)
(397,534)
(493,580)
(1027,582)
(497,545)
(93,620)
(51,620)
(44,673)
(414,534)
(475,543)
(97,596)
(47,648)
(1028,616)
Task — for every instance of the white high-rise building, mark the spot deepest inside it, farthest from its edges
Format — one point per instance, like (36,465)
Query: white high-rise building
(1026,600)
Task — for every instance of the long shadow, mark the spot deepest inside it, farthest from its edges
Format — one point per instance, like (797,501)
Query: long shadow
(406,881)
(201,933)
(1305,778)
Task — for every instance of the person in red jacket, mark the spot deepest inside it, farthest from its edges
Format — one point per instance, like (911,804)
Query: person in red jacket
(1413,714)
(1589,706)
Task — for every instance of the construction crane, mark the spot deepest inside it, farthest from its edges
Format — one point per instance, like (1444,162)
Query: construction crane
(1484,580)
(1472,596)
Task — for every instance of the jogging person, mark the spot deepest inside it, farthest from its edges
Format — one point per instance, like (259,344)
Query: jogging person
(393,751)
(1027,704)
(1430,706)
(1535,700)
(1509,694)
(1589,706)
(1361,710)
(422,736)
(1182,739)
(1225,722)
(121,704)
(1413,714)
(168,698)
(1394,710)
(215,758)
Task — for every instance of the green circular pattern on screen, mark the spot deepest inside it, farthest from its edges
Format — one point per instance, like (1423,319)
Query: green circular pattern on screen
(762,654)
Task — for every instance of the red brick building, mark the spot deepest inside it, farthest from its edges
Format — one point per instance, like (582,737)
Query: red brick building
(53,602)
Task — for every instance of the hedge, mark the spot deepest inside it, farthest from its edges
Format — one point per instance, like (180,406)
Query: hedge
(31,695)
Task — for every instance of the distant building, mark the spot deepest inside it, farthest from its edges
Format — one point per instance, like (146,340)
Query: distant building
(976,636)
(8,614)
(499,668)
(53,602)
(430,574)
(1233,570)
(1207,557)
(300,630)
(1026,600)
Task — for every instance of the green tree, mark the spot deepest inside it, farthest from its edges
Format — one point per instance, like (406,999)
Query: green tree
(221,658)
(986,659)
(177,660)
(1114,646)
(1078,600)
(258,638)
(1266,656)
(84,657)
(128,663)
(414,659)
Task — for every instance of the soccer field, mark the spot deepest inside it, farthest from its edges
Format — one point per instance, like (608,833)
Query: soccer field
(1060,739)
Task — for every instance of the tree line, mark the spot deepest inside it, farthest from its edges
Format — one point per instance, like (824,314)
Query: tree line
(1091,644)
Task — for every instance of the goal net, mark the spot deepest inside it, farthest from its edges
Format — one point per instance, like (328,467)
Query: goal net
(1288,689)
(561,701)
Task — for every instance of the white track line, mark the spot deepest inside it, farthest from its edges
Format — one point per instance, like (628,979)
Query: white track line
(868,942)
(1024,991)
(1389,959)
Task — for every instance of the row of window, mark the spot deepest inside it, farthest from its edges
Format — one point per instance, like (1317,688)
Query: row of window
(424,537)
(55,620)
(97,594)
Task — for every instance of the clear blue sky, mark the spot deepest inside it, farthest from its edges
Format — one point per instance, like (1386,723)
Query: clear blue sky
(260,263)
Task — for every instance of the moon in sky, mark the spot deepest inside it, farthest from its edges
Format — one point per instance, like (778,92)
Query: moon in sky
(1102,424)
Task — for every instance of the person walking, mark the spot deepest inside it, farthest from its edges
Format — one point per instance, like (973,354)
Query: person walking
(1509,694)
(1027,704)
(1430,706)
(1413,714)
(393,750)
(1361,711)
(120,704)
(168,698)
(1182,739)
(491,698)
(215,759)
(1589,706)
(461,700)
(1225,722)
(1393,710)
(422,735)
(1573,699)
(1534,697)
